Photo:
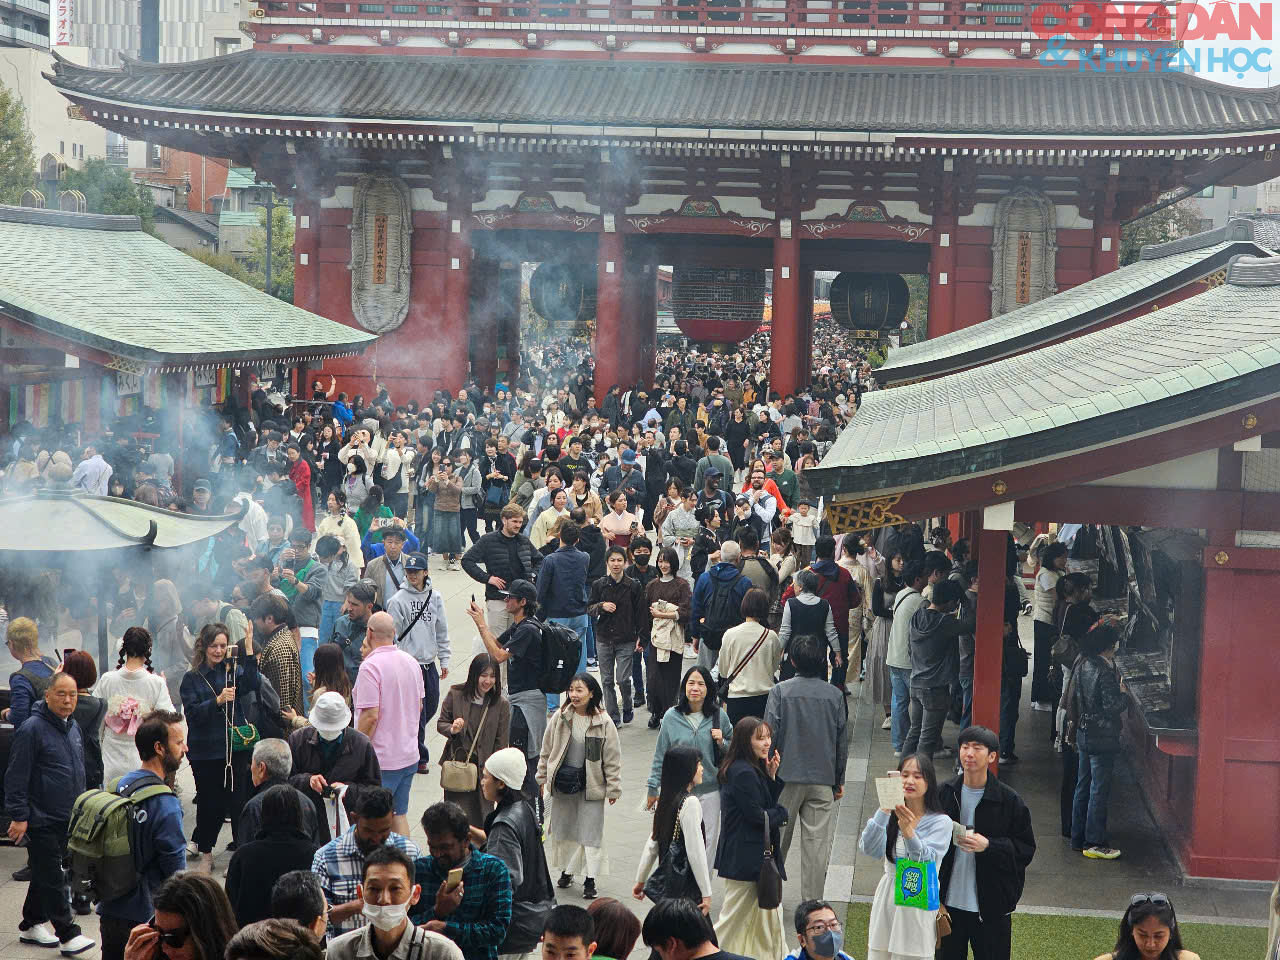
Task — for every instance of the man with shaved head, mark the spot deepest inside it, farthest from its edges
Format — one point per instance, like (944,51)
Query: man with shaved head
(388,701)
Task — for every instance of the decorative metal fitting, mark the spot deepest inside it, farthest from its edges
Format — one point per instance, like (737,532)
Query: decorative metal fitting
(1221,558)
(999,488)
(1249,421)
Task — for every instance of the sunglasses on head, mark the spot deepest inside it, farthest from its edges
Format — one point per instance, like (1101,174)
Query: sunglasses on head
(1159,899)
(169,938)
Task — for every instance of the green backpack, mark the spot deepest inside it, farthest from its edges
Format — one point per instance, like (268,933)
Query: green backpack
(103,834)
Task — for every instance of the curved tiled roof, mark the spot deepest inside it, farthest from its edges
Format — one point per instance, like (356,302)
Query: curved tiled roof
(1162,267)
(479,89)
(1185,361)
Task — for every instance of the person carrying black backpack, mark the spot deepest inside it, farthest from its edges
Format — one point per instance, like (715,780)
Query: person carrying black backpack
(717,603)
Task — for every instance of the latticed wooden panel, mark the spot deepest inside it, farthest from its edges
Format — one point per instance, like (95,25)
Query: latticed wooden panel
(859,516)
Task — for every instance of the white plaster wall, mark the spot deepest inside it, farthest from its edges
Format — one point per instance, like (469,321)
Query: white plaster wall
(421,198)
(344,198)
(1199,471)
(834,50)
(494,199)
(573,201)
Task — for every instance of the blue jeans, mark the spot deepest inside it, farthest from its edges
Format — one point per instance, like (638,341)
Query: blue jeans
(1093,791)
(966,692)
(900,683)
(330,611)
(1010,695)
(430,701)
(582,627)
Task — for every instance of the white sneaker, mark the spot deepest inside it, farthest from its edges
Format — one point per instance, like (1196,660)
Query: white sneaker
(1042,707)
(888,724)
(77,944)
(39,934)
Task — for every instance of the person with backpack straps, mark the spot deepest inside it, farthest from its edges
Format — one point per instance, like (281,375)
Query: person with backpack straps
(717,603)
(155,847)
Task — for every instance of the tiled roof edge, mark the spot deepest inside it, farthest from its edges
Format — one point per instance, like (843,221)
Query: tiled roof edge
(1246,271)
(65,218)
(1237,228)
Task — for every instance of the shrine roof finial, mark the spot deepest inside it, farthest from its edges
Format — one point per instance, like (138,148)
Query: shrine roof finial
(1246,271)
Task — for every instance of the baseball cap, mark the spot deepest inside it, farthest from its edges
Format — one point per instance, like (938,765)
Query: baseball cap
(521,590)
(629,456)
(713,472)
(202,484)
(415,561)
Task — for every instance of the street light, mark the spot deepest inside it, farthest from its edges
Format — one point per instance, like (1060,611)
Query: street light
(270,206)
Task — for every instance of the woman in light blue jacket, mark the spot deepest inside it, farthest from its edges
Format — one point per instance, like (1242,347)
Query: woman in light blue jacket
(697,721)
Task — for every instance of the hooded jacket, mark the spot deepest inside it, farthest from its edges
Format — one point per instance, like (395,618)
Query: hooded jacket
(934,646)
(428,639)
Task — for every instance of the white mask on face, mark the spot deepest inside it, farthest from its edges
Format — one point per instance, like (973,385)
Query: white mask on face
(386,917)
(329,734)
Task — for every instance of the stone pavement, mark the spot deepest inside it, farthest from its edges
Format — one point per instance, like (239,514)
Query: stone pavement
(1057,882)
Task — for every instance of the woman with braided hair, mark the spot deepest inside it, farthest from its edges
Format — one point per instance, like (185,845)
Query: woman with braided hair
(131,691)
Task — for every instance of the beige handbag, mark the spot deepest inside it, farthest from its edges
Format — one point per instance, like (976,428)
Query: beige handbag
(463,776)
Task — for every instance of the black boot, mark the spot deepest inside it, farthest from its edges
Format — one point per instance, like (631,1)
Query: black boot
(588,889)
(23,875)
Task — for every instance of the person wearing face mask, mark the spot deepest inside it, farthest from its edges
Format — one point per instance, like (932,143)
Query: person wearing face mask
(328,754)
(818,932)
(161,743)
(386,892)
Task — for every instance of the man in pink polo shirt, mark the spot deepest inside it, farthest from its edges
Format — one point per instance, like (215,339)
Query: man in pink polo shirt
(388,699)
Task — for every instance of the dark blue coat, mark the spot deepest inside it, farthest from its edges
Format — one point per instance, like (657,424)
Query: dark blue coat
(562,583)
(747,798)
(46,769)
(206,718)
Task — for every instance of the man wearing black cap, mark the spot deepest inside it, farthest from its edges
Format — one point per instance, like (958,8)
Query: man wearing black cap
(713,460)
(711,493)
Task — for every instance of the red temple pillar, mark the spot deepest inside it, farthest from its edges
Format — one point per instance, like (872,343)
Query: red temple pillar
(989,636)
(484,322)
(1106,247)
(306,254)
(804,320)
(648,331)
(784,337)
(942,279)
(610,339)
(452,338)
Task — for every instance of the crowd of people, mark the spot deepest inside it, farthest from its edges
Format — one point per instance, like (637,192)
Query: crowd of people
(657,551)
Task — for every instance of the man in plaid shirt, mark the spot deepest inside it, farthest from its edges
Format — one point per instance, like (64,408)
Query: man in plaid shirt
(340,863)
(476,913)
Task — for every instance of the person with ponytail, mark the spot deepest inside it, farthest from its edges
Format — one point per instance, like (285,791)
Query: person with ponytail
(130,692)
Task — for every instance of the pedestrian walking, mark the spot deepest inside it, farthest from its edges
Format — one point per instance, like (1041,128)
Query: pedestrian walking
(475,719)
(1097,700)
(422,631)
(131,692)
(617,603)
(670,602)
(749,657)
(674,862)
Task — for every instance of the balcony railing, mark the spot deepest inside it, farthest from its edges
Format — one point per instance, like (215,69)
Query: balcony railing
(23,36)
(38,7)
(940,16)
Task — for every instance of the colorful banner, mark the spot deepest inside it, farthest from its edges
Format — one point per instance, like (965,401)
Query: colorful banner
(43,403)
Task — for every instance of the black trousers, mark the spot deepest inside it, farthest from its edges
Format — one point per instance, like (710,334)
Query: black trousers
(739,707)
(113,934)
(469,518)
(990,939)
(665,692)
(47,893)
(215,801)
(1041,689)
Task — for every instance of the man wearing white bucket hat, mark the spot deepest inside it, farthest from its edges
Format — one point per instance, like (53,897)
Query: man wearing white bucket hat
(329,753)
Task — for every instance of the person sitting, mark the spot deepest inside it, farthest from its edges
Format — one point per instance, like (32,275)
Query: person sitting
(386,892)
(475,912)
(281,845)
(274,940)
(297,896)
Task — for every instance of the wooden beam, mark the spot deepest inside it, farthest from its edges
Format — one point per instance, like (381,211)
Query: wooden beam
(1135,506)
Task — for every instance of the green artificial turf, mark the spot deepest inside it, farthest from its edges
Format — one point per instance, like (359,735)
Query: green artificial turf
(1037,937)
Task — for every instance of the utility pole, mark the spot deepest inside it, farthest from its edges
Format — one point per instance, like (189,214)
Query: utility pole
(270,206)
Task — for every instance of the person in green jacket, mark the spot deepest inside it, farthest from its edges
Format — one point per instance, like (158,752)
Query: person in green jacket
(697,720)
(784,477)
(372,507)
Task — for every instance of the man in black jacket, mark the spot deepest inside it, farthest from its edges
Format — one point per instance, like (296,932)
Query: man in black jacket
(500,558)
(617,603)
(983,872)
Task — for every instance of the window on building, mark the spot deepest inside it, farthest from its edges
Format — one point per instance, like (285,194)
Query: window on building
(370,7)
(224,45)
(1206,193)
(337,8)
(277,7)
(410,8)
(62,147)
(306,8)
(1235,193)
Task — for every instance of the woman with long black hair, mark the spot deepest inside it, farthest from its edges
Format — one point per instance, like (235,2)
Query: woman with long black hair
(675,846)
(1149,931)
(475,719)
(131,691)
(751,823)
(918,830)
(215,699)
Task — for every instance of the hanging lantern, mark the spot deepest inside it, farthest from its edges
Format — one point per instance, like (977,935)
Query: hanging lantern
(717,305)
(564,293)
(869,301)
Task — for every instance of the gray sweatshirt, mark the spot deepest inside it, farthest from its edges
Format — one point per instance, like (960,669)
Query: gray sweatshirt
(471,482)
(429,638)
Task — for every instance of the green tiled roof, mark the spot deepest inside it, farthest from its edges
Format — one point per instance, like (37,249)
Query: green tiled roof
(1163,267)
(104,283)
(238,218)
(239,178)
(1186,360)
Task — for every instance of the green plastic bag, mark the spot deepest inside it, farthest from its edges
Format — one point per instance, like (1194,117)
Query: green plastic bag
(915,884)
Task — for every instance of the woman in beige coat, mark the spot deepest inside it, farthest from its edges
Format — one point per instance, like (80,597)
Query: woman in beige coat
(581,763)
(476,720)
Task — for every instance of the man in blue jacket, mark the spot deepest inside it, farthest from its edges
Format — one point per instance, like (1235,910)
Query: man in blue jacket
(717,603)
(161,740)
(45,775)
(562,591)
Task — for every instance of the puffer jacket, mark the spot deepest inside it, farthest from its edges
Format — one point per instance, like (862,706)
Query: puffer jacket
(493,555)
(604,753)
(1101,703)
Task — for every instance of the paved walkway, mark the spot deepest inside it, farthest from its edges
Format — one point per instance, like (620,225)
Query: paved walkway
(1057,882)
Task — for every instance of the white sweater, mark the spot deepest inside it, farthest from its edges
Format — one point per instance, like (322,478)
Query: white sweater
(690,826)
(119,753)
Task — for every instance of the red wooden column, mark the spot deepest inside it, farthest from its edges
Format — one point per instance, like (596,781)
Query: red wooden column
(306,254)
(508,306)
(1106,247)
(942,257)
(450,350)
(804,320)
(989,639)
(610,337)
(648,330)
(784,338)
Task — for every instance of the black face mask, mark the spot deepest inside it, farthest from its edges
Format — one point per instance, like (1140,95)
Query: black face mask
(641,559)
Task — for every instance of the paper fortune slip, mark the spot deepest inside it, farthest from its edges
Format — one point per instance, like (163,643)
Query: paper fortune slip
(889,792)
